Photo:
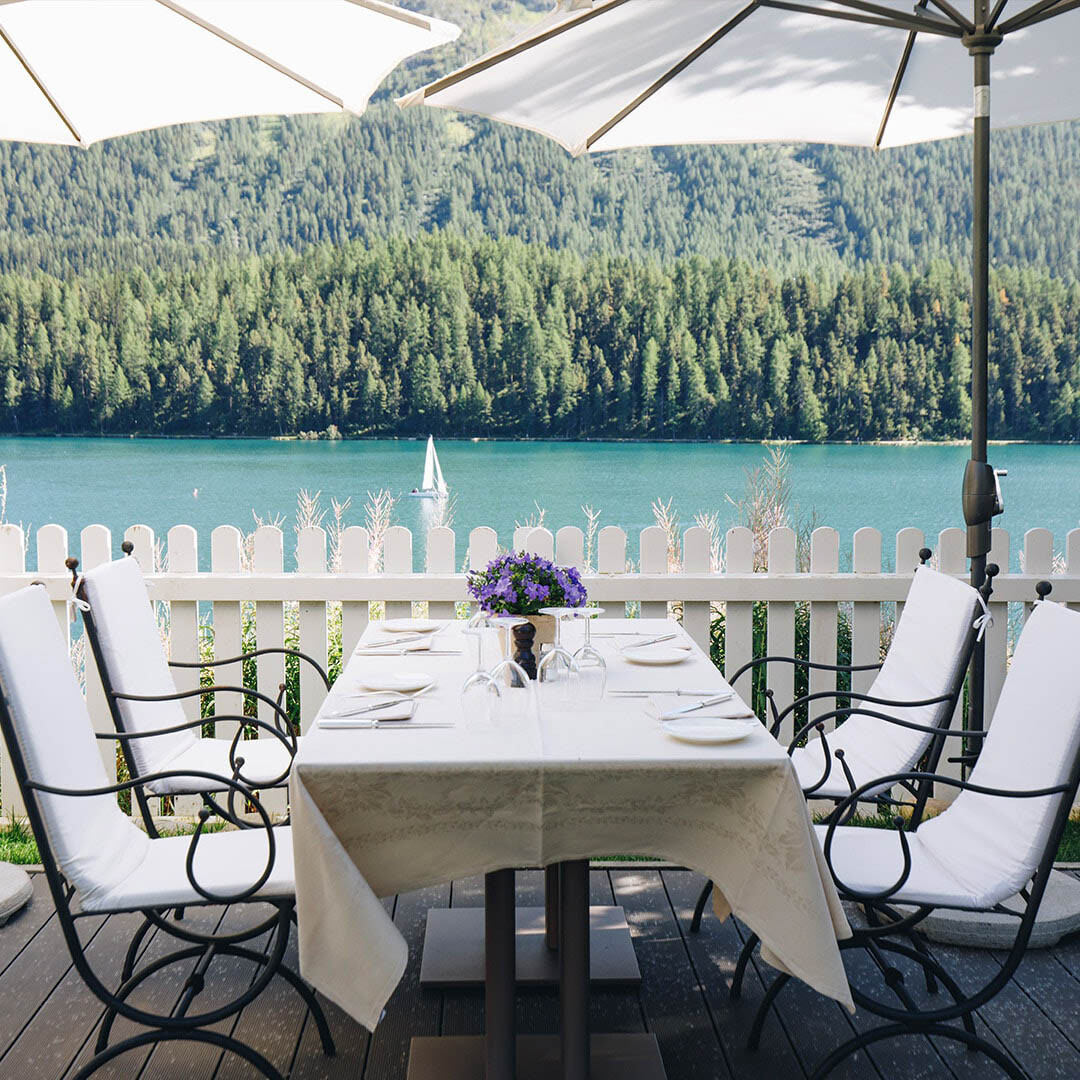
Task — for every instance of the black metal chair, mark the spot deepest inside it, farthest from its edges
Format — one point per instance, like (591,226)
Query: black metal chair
(97,861)
(154,733)
(997,840)
(898,723)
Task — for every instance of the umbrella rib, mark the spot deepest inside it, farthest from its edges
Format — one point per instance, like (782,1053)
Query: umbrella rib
(410,17)
(486,62)
(895,88)
(252,52)
(890,13)
(1038,16)
(960,20)
(1023,18)
(41,86)
(900,22)
(995,15)
(671,73)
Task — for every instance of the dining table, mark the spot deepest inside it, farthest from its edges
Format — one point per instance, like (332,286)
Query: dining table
(428,788)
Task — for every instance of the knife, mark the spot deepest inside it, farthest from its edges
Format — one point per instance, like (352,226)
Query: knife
(707,703)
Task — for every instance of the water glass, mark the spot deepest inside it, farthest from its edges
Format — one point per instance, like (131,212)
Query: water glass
(557,672)
(480,693)
(592,668)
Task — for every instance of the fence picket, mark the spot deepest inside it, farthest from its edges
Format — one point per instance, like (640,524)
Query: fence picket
(183,558)
(52,550)
(654,560)
(144,552)
(225,558)
(95,548)
(1038,559)
(824,559)
(866,615)
(780,632)
(738,614)
(311,559)
(570,547)
(483,547)
(1072,558)
(354,613)
(539,541)
(997,634)
(611,560)
(12,561)
(398,559)
(697,614)
(441,559)
(909,542)
(268,557)
(952,559)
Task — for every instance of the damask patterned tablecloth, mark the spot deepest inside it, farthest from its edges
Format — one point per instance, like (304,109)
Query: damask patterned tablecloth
(376,812)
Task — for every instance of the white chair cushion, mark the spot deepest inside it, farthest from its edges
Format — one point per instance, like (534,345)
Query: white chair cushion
(266,761)
(924,660)
(94,843)
(134,660)
(869,860)
(993,845)
(225,862)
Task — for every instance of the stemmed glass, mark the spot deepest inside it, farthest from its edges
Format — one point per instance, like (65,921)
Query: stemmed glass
(480,693)
(557,671)
(591,665)
(508,674)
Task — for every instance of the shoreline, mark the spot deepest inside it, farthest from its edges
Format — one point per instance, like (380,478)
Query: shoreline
(138,436)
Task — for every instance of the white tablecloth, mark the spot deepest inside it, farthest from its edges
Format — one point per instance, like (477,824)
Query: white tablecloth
(385,811)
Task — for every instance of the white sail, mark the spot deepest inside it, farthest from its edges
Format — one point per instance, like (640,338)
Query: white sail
(440,483)
(431,463)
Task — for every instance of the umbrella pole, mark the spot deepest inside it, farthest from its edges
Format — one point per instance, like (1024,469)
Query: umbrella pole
(980,492)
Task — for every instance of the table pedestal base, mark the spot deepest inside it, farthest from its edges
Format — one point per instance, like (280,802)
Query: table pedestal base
(461,1057)
(454,949)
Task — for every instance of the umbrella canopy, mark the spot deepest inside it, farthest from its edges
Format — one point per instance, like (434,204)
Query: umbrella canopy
(598,75)
(622,73)
(77,71)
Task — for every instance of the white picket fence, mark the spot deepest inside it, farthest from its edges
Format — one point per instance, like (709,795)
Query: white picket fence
(197,601)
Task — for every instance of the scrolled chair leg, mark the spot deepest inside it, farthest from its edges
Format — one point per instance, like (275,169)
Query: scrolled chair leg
(753,1041)
(152,1038)
(699,907)
(740,968)
(133,950)
(943,1031)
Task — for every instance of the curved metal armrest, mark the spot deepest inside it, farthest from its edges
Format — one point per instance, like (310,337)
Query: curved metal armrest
(281,717)
(287,740)
(251,656)
(853,710)
(814,665)
(854,695)
(844,809)
(234,786)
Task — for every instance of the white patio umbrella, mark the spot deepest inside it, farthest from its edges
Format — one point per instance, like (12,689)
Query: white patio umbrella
(602,75)
(77,71)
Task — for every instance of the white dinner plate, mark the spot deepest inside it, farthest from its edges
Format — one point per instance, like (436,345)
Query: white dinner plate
(411,626)
(707,730)
(403,682)
(658,656)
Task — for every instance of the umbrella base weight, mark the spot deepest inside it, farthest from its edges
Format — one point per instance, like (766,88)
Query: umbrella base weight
(454,949)
(461,1057)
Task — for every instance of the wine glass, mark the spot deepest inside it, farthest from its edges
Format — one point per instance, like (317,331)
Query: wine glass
(479,693)
(591,665)
(515,687)
(557,672)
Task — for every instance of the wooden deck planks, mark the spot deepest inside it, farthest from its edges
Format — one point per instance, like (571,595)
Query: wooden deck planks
(48,1018)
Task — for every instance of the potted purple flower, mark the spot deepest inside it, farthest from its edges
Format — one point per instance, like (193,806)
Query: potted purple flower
(520,583)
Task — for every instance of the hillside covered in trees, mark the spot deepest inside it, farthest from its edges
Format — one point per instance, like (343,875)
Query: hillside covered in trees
(461,336)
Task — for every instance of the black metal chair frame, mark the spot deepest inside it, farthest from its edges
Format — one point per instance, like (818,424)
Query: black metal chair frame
(917,793)
(281,728)
(888,931)
(198,950)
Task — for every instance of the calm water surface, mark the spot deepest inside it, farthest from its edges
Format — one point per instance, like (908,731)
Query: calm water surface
(118,482)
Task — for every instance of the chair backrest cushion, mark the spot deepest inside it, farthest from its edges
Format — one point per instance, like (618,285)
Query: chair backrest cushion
(925,660)
(134,660)
(993,845)
(94,843)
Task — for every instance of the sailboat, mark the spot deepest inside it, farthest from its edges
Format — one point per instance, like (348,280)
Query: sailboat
(433,484)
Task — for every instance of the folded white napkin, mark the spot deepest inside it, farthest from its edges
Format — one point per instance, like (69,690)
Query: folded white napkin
(350,715)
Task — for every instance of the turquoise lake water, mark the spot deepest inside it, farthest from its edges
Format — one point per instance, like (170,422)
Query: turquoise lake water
(118,482)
